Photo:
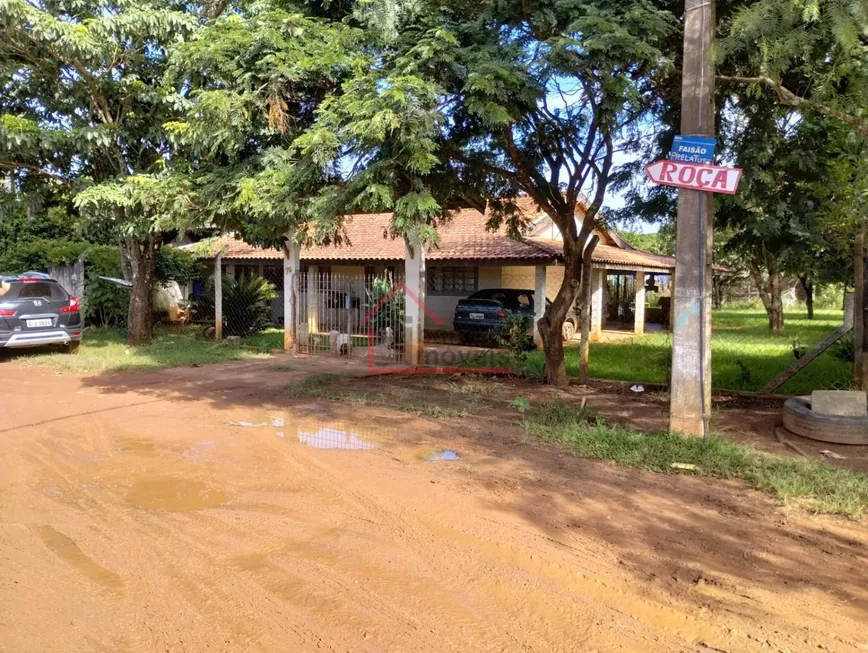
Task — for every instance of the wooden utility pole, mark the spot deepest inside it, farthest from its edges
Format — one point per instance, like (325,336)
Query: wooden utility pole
(690,392)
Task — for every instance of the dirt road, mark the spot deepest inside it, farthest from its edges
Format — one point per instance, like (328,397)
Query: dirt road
(202,510)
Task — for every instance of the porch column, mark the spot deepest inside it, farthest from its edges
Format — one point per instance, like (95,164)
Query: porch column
(291,269)
(313,293)
(218,297)
(539,301)
(639,313)
(414,300)
(598,280)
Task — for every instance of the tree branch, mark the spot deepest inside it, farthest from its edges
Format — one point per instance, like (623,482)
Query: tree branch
(790,99)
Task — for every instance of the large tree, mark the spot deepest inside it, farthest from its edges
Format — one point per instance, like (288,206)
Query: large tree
(253,81)
(83,108)
(790,110)
(477,103)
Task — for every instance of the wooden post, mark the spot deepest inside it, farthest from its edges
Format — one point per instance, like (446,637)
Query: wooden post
(859,308)
(790,372)
(218,297)
(587,273)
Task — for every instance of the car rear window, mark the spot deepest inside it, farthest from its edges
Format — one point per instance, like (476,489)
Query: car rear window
(35,289)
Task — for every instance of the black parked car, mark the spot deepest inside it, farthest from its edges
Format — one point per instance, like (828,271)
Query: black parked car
(478,315)
(35,310)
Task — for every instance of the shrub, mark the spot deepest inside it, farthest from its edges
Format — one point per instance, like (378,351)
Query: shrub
(391,308)
(246,306)
(105,304)
(175,264)
(514,335)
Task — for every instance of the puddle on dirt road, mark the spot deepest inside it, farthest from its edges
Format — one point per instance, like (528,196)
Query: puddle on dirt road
(332,437)
(174,495)
(446,455)
(68,550)
(320,434)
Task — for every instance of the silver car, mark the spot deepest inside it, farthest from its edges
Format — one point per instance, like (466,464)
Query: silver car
(35,310)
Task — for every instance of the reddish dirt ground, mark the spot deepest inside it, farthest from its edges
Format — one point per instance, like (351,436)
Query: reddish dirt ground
(139,513)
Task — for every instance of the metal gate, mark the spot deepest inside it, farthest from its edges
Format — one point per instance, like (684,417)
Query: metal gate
(350,315)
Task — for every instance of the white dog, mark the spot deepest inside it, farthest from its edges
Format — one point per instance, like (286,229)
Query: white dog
(386,347)
(339,342)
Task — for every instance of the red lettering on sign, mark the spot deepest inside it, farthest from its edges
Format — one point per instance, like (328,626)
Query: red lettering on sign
(719,180)
(668,169)
(687,174)
(700,177)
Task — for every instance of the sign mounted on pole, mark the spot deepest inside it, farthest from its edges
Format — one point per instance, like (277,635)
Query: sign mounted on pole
(711,179)
(692,149)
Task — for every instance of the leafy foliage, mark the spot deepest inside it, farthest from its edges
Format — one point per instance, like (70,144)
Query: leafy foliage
(178,265)
(476,104)
(811,53)
(246,307)
(661,242)
(82,114)
(389,307)
(256,80)
(515,335)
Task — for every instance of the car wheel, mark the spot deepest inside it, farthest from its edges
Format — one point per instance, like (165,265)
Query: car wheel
(71,347)
(568,331)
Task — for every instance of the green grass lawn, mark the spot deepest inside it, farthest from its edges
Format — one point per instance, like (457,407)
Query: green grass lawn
(104,350)
(806,483)
(744,355)
(265,340)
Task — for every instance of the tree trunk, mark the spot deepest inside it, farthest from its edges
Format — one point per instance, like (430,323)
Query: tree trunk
(552,322)
(808,286)
(770,290)
(864,318)
(142,257)
(858,307)
(716,293)
(776,314)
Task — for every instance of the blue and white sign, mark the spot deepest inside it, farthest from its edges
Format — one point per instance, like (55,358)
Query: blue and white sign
(692,149)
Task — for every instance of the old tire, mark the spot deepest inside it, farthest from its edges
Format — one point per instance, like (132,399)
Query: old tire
(568,331)
(837,429)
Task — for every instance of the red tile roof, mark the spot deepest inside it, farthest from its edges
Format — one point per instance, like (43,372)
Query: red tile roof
(366,238)
(617,257)
(463,237)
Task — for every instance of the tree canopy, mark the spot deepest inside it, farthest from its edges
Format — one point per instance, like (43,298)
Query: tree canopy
(475,104)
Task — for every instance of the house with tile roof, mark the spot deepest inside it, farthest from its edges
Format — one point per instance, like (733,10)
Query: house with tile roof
(467,258)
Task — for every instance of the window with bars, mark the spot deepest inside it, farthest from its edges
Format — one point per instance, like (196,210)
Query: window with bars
(452,280)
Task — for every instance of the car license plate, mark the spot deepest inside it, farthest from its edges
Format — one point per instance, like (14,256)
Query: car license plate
(477,316)
(38,323)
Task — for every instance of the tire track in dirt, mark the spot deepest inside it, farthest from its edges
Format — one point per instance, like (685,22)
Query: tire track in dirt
(231,539)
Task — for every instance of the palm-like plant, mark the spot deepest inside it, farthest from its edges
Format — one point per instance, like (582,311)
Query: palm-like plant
(246,304)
